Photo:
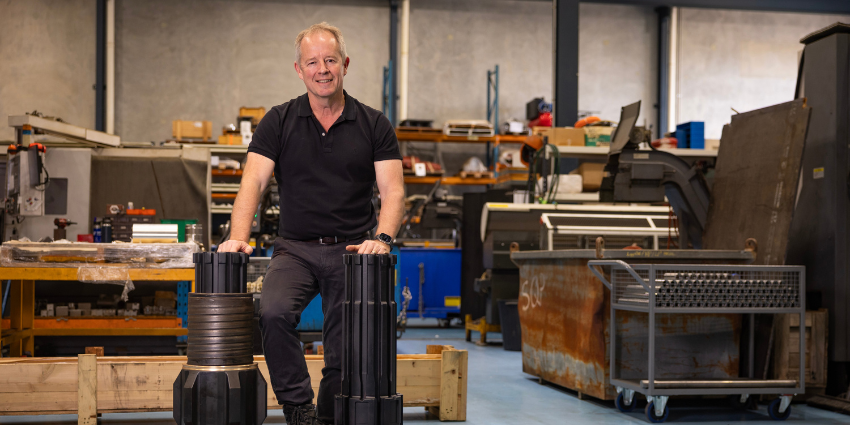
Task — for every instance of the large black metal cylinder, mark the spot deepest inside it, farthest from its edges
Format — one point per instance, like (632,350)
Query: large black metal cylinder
(221,273)
(221,329)
(369,343)
(221,384)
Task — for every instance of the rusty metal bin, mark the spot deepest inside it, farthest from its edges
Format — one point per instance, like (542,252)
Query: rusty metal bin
(565,311)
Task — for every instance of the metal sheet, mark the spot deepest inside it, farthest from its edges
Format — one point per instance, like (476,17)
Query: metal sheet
(565,311)
(755,183)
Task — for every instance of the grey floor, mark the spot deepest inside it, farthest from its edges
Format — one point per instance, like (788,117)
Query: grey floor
(500,393)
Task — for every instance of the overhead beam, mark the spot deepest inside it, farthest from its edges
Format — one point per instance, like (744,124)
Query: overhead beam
(566,62)
(807,6)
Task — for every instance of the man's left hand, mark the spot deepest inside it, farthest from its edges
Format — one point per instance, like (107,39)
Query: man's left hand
(369,247)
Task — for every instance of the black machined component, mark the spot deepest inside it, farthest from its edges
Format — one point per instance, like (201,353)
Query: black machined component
(369,343)
(220,396)
(221,384)
(221,273)
(221,329)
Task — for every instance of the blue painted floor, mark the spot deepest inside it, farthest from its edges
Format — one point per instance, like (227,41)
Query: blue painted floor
(500,393)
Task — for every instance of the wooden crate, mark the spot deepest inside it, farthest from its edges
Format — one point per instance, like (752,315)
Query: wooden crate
(191,130)
(256,114)
(786,357)
(44,386)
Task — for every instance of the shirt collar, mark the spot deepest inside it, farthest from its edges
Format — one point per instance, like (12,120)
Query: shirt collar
(349,111)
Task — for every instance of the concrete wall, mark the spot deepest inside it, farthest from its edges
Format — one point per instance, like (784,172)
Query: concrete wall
(454,43)
(618,60)
(738,59)
(48,60)
(202,60)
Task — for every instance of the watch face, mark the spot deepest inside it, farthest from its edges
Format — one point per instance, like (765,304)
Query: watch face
(383,237)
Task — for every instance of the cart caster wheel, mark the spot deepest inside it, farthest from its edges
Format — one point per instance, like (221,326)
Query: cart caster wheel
(773,410)
(621,404)
(735,402)
(650,413)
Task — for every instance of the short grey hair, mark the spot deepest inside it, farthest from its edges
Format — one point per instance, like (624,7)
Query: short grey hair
(324,26)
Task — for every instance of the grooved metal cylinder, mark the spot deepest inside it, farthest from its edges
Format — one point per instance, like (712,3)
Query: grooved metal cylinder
(221,329)
(221,384)
(368,392)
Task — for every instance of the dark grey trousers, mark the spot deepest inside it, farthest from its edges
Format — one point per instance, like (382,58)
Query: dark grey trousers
(298,271)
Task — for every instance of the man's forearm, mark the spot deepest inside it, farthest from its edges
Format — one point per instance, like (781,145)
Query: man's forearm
(244,208)
(392,210)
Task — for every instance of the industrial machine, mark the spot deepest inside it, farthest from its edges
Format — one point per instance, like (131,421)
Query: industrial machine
(504,223)
(635,175)
(49,164)
(818,237)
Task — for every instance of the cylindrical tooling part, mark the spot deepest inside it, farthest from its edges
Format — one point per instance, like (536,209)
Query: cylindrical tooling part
(221,384)
(220,395)
(221,273)
(368,394)
(221,329)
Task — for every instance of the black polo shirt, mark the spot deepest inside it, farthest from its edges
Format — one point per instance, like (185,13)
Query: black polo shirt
(325,178)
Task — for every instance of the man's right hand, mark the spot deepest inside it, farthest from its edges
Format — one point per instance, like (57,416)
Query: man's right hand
(235,246)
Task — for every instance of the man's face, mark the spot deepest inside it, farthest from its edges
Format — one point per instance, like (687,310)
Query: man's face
(321,67)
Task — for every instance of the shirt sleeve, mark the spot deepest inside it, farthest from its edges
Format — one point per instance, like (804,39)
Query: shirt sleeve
(385,145)
(266,139)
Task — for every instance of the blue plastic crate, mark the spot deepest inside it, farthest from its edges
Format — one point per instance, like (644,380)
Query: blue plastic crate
(691,135)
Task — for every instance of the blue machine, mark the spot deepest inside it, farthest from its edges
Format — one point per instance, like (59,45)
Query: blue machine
(312,318)
(440,288)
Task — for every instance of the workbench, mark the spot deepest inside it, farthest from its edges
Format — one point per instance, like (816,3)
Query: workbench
(22,330)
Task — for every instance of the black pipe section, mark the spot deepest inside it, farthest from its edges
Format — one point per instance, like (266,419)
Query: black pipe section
(221,384)
(566,62)
(369,393)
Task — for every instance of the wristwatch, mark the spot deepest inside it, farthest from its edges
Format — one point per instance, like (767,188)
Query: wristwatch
(385,238)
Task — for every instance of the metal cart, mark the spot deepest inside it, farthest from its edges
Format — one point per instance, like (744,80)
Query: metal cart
(710,289)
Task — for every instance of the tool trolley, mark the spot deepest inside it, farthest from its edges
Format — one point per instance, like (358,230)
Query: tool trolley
(708,289)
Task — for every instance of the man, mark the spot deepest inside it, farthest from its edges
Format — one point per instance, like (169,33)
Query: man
(326,151)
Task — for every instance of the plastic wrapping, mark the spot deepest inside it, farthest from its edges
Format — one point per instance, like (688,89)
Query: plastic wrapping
(107,274)
(71,254)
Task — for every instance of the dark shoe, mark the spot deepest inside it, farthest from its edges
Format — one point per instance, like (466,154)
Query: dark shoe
(304,414)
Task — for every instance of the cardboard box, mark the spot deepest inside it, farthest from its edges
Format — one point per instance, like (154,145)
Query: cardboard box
(562,136)
(598,136)
(591,175)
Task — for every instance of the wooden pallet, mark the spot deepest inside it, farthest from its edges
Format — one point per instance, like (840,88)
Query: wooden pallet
(481,326)
(88,385)
(786,358)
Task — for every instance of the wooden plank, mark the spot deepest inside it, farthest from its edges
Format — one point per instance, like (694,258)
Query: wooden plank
(98,351)
(449,387)
(70,273)
(437,349)
(112,332)
(87,389)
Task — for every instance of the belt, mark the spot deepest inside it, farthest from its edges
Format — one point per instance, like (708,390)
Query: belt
(330,240)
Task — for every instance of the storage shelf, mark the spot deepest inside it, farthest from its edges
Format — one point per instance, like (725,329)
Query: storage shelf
(228,209)
(593,152)
(225,187)
(450,181)
(225,173)
(229,149)
(410,136)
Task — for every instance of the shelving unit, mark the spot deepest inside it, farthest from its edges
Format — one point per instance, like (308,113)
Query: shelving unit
(439,137)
